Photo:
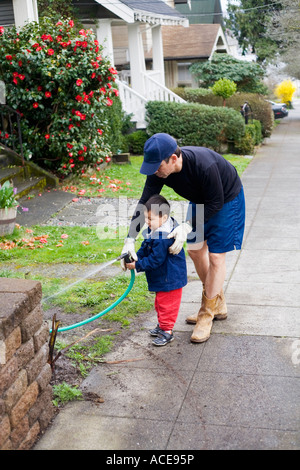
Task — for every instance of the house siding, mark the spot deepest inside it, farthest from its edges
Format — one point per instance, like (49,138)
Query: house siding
(6,13)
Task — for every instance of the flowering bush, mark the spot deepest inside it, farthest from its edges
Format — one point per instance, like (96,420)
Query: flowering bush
(285,91)
(59,82)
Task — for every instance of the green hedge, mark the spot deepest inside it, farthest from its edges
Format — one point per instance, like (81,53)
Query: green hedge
(261,109)
(195,124)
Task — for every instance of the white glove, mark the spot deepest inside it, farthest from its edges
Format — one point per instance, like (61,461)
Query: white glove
(128,248)
(180,234)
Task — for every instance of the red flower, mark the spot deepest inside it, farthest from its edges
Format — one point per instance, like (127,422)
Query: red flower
(116,92)
(109,102)
(70,146)
(8,57)
(1,30)
(71,23)
(20,63)
(112,70)
(78,98)
(15,81)
(47,136)
(39,88)
(22,77)
(50,52)
(35,105)
(100,131)
(93,75)
(81,159)
(70,126)
(79,82)
(47,94)
(68,66)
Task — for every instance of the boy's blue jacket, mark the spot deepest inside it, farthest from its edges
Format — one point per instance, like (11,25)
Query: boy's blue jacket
(164,271)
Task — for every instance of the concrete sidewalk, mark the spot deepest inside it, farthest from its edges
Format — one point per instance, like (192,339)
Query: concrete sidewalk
(239,390)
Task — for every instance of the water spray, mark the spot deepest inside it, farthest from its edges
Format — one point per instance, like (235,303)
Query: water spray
(128,259)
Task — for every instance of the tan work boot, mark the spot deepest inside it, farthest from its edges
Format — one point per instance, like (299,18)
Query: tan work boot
(221,310)
(204,323)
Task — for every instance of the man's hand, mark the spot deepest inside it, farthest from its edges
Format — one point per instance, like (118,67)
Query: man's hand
(128,248)
(130,265)
(180,234)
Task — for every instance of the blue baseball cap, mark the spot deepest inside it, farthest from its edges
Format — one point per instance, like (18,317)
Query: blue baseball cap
(156,149)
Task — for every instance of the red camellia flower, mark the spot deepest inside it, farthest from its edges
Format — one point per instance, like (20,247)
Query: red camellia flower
(1,30)
(109,102)
(112,70)
(35,105)
(50,52)
(39,88)
(8,57)
(71,23)
(47,136)
(78,98)
(21,77)
(79,82)
(70,146)
(48,94)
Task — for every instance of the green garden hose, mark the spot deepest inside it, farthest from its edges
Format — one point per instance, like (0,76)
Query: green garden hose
(84,322)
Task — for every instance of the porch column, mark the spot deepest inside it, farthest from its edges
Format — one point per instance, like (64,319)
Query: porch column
(24,12)
(104,36)
(137,58)
(158,54)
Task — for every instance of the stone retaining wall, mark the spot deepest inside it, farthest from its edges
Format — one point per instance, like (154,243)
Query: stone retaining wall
(25,391)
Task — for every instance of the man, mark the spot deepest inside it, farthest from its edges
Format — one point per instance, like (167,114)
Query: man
(203,177)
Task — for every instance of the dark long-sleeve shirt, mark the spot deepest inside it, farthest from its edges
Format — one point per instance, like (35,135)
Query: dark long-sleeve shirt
(205,178)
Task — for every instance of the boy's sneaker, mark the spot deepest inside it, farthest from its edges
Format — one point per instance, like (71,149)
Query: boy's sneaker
(163,338)
(155,331)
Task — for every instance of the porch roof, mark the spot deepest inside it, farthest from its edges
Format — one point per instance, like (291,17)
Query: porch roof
(154,12)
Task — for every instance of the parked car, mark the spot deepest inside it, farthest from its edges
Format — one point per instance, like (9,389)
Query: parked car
(279,110)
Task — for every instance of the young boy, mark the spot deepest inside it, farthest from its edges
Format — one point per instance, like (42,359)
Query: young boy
(166,273)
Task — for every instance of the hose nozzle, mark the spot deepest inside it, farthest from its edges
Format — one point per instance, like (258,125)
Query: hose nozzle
(126,257)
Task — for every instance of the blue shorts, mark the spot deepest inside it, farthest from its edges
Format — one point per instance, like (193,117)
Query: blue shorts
(224,231)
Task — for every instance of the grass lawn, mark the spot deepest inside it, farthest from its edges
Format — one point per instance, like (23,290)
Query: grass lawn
(126,180)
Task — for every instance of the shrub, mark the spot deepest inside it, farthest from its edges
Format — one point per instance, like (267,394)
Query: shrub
(245,145)
(62,87)
(194,124)
(224,88)
(136,142)
(261,109)
(258,131)
(285,91)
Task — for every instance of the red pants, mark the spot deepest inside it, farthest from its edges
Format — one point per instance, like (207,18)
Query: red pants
(167,307)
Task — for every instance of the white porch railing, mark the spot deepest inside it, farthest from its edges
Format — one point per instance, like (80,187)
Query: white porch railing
(135,103)
(155,91)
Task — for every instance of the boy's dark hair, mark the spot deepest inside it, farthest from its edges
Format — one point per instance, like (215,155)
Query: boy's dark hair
(158,205)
